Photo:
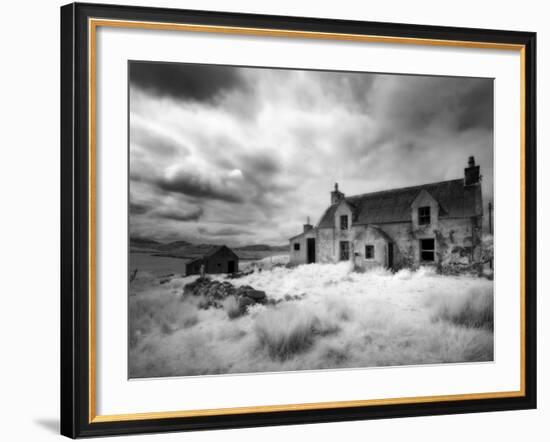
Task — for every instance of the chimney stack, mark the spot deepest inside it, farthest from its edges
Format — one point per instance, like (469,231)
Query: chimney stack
(471,173)
(307,225)
(336,196)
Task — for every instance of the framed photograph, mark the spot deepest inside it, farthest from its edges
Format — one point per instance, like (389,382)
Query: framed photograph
(276,220)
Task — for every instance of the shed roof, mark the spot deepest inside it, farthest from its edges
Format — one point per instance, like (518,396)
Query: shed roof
(455,200)
(205,251)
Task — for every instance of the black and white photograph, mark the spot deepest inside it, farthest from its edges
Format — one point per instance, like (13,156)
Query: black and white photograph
(287,219)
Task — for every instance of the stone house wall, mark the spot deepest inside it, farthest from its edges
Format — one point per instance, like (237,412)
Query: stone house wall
(300,256)
(457,242)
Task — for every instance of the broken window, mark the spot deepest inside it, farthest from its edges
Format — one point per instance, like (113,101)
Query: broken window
(344,222)
(424,215)
(344,250)
(427,249)
(369,252)
(296,246)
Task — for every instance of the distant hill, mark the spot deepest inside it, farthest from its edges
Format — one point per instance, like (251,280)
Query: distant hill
(175,245)
(140,241)
(283,248)
(186,250)
(142,244)
(261,248)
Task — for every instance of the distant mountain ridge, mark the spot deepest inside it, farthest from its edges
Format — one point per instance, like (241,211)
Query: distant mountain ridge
(173,245)
(186,248)
(135,240)
(261,247)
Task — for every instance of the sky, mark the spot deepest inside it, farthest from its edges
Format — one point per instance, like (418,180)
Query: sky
(237,155)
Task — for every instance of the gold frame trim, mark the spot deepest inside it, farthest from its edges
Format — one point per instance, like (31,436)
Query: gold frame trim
(93,24)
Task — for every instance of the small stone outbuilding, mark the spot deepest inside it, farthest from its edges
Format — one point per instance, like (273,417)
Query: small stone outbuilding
(215,259)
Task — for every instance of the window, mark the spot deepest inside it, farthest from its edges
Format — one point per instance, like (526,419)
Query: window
(296,246)
(369,252)
(344,222)
(427,249)
(424,215)
(344,250)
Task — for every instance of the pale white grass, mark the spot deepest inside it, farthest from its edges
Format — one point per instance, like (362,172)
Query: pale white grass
(336,319)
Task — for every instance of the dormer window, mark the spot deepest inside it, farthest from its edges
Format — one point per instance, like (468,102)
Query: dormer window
(424,217)
(343,222)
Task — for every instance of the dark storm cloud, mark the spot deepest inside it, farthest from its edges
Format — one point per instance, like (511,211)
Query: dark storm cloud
(476,106)
(260,171)
(263,164)
(185,81)
(413,104)
(192,183)
(421,121)
(175,214)
(138,209)
(351,89)
(468,103)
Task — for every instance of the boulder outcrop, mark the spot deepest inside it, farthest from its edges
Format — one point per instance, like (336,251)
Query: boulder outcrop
(216,292)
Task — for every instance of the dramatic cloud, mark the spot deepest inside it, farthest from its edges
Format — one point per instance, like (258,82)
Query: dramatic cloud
(244,155)
(138,209)
(185,81)
(152,139)
(178,214)
(193,182)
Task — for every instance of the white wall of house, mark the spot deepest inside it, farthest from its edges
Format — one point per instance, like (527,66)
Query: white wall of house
(299,256)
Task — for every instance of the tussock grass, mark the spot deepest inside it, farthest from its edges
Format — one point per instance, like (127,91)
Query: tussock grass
(471,309)
(326,317)
(286,331)
(231,306)
(149,314)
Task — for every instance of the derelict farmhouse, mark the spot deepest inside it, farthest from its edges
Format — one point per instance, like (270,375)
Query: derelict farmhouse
(427,224)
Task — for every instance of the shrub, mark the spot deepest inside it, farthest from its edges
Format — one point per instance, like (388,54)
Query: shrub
(480,348)
(164,314)
(472,309)
(286,331)
(231,306)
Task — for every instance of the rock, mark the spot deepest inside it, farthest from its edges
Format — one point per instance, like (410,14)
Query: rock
(196,288)
(246,287)
(214,292)
(244,302)
(256,295)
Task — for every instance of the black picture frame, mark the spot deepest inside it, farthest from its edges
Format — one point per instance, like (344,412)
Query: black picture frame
(75,221)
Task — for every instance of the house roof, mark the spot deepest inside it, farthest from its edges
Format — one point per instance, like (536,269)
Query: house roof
(455,200)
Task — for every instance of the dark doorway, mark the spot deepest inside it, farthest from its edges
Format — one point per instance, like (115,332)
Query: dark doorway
(310,250)
(390,255)
(230,266)
(344,250)
(427,249)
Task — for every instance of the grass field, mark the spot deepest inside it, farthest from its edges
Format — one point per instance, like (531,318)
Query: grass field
(321,316)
